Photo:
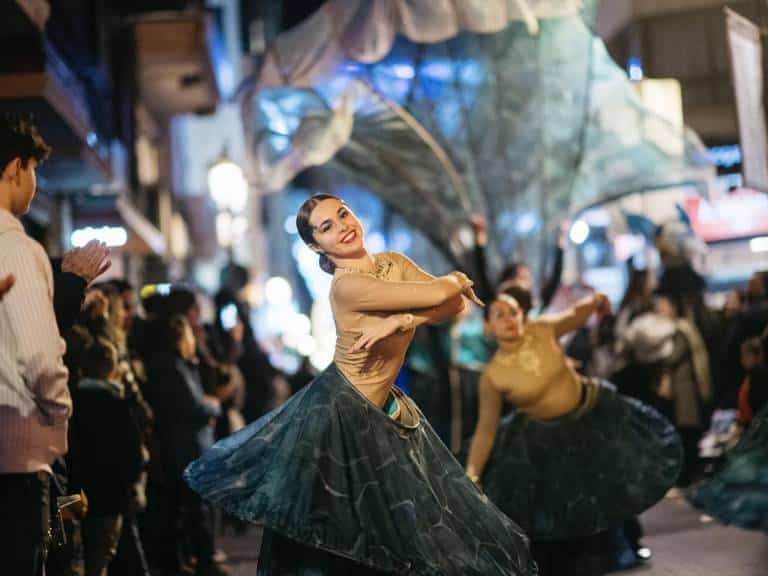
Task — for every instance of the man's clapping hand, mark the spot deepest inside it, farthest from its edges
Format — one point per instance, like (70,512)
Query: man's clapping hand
(88,262)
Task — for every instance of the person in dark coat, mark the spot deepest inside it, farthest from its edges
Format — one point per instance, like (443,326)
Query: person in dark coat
(184,426)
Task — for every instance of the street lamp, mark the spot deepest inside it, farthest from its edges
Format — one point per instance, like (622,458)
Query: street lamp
(229,190)
(228,185)
(579,232)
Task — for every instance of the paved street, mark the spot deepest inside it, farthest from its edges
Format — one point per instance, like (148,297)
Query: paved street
(682,546)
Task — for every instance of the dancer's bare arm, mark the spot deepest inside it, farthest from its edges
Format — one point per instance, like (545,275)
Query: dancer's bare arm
(410,319)
(445,311)
(366,293)
(575,317)
(489,413)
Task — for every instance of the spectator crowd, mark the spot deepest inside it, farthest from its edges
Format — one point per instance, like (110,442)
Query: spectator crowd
(107,393)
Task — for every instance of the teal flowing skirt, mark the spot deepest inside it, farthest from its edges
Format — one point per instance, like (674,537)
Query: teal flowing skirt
(738,493)
(587,471)
(335,481)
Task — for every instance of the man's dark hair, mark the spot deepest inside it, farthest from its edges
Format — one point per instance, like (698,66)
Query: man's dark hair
(19,138)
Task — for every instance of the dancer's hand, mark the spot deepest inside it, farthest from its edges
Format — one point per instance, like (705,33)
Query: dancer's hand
(475,479)
(573,363)
(461,279)
(480,226)
(469,293)
(376,333)
(466,284)
(6,284)
(602,303)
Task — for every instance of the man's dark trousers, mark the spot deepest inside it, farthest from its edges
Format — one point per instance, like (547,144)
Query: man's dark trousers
(24,520)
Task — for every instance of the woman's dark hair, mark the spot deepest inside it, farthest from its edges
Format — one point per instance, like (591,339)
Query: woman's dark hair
(153,304)
(511,271)
(180,301)
(122,285)
(637,289)
(100,359)
(521,295)
(19,138)
(307,232)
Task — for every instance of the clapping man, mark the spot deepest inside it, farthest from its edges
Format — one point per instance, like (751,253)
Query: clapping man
(35,404)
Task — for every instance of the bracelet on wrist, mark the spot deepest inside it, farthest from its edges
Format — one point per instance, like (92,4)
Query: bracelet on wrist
(406,322)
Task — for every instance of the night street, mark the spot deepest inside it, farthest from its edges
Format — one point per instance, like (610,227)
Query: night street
(332,265)
(682,546)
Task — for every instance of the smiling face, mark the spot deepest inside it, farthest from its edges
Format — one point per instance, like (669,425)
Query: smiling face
(336,231)
(506,319)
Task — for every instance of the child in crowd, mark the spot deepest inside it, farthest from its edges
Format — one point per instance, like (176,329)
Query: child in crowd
(107,457)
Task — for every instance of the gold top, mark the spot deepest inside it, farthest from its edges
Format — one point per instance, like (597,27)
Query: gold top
(523,355)
(392,282)
(535,375)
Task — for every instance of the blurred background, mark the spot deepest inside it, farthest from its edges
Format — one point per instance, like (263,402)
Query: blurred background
(589,140)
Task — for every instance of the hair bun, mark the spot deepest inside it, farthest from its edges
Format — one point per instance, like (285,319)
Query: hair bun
(326,264)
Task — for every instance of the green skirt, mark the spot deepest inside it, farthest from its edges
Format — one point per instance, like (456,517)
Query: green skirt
(336,482)
(738,493)
(576,475)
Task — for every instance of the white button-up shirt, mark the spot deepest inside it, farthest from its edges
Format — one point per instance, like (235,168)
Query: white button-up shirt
(34,398)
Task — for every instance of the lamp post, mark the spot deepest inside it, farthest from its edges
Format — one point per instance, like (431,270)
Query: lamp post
(229,190)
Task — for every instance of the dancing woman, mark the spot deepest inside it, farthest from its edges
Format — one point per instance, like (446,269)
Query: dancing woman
(738,493)
(347,477)
(574,457)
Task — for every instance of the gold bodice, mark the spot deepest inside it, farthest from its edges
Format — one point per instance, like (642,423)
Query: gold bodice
(534,373)
(373,371)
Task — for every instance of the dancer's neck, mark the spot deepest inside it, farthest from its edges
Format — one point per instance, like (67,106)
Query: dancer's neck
(363,263)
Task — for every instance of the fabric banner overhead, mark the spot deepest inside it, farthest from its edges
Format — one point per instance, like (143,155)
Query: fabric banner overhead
(746,53)
(522,128)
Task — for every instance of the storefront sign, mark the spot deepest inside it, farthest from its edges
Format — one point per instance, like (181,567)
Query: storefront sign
(740,214)
(747,71)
